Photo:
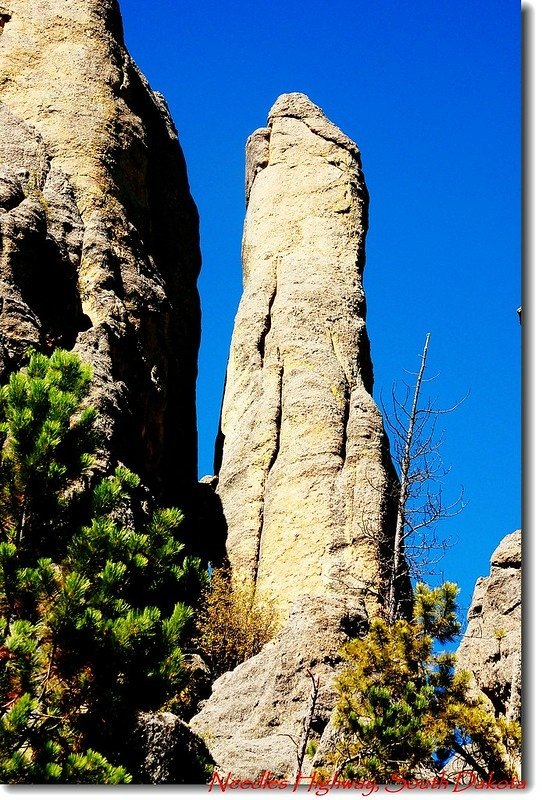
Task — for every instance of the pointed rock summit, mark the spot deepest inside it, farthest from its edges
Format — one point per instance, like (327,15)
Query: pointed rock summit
(99,234)
(305,476)
(303,464)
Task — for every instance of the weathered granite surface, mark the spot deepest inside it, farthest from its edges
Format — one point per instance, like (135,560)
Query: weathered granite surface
(99,246)
(254,719)
(491,646)
(304,472)
(302,457)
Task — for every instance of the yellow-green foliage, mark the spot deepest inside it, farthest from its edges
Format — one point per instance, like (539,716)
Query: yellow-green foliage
(232,627)
(404,709)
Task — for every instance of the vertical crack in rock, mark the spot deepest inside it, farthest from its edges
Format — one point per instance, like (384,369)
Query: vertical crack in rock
(278,422)
(266,325)
(346,417)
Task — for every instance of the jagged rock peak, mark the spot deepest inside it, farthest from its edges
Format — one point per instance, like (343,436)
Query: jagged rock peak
(100,242)
(491,646)
(294,106)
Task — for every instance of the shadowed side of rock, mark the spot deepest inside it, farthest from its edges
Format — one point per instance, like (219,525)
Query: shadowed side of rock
(100,242)
(163,749)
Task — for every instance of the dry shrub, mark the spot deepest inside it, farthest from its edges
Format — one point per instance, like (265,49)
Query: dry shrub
(232,628)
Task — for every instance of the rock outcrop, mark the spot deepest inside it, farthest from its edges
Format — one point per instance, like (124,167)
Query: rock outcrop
(163,749)
(491,646)
(254,719)
(302,457)
(305,477)
(99,233)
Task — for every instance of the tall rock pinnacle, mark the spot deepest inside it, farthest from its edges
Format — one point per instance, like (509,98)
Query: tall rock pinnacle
(303,462)
(100,244)
(305,476)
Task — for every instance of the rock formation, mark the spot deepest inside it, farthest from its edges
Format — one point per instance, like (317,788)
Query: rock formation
(163,749)
(99,233)
(491,646)
(305,476)
(302,457)
(255,716)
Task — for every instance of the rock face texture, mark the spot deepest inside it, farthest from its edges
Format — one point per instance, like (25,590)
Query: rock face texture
(491,646)
(305,477)
(99,233)
(302,457)
(165,750)
(254,719)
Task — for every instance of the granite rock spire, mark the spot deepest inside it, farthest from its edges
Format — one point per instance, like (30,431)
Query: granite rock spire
(491,646)
(304,470)
(305,476)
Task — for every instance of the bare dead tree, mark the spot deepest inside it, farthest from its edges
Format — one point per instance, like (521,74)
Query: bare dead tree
(417,547)
(307,723)
(301,744)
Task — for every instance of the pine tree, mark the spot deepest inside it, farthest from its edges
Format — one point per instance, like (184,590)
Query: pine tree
(403,708)
(94,615)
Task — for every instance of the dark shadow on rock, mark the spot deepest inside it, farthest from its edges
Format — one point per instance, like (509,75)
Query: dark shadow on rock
(164,749)
(205,529)
(203,533)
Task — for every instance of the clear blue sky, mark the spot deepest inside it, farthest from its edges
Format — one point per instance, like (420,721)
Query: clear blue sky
(430,91)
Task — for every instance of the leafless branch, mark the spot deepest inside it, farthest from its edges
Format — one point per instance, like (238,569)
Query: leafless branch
(420,504)
(307,722)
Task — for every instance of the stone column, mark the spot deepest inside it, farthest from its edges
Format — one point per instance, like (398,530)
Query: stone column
(304,470)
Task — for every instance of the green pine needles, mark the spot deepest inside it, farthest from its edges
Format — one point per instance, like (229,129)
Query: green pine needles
(405,712)
(93,613)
